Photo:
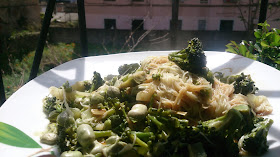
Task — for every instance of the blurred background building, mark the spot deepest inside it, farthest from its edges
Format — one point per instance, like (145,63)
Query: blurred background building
(212,15)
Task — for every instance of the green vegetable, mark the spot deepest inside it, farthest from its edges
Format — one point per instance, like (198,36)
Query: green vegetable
(128,68)
(242,83)
(67,132)
(67,87)
(238,124)
(156,77)
(138,112)
(85,135)
(133,79)
(99,134)
(229,122)
(65,119)
(49,138)
(192,59)
(113,92)
(51,104)
(96,82)
(255,142)
(71,154)
(96,99)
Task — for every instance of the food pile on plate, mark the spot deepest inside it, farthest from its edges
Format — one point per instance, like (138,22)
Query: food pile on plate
(165,106)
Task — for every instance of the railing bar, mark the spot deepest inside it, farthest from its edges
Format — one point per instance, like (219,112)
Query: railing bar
(82,26)
(42,39)
(174,23)
(263,11)
(2,91)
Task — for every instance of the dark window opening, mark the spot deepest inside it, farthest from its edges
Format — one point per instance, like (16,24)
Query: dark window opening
(137,0)
(109,23)
(203,1)
(137,25)
(179,26)
(226,25)
(230,1)
(202,25)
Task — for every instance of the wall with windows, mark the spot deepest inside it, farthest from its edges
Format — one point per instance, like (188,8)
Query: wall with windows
(214,15)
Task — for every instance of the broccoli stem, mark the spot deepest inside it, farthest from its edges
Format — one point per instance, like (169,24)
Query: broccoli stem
(106,133)
(155,121)
(133,137)
(230,121)
(108,113)
(145,136)
(255,142)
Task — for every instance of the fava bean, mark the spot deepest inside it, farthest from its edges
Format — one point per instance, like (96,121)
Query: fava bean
(85,135)
(71,154)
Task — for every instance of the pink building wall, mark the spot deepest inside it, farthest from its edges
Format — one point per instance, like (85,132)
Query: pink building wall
(157,14)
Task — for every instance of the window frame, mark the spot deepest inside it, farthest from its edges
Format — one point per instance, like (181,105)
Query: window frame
(141,24)
(114,24)
(203,27)
(222,22)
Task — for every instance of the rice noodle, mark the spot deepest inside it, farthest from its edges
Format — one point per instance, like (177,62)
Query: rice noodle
(180,90)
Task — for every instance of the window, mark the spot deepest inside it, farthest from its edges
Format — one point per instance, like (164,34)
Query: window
(201,25)
(179,26)
(137,0)
(109,0)
(230,1)
(137,25)
(203,1)
(109,23)
(226,25)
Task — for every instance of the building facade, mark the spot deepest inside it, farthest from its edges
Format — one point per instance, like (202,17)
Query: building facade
(210,15)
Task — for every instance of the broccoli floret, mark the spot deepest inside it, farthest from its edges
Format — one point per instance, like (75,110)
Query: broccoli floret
(156,77)
(255,142)
(191,58)
(118,124)
(67,132)
(223,131)
(97,81)
(237,122)
(67,87)
(131,80)
(50,104)
(230,121)
(128,68)
(243,84)
(67,139)
(247,123)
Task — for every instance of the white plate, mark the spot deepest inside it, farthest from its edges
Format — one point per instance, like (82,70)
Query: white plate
(24,108)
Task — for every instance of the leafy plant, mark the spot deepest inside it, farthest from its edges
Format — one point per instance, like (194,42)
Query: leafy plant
(54,55)
(265,48)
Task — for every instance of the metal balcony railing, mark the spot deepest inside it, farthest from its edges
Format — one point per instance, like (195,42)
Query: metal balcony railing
(83,34)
